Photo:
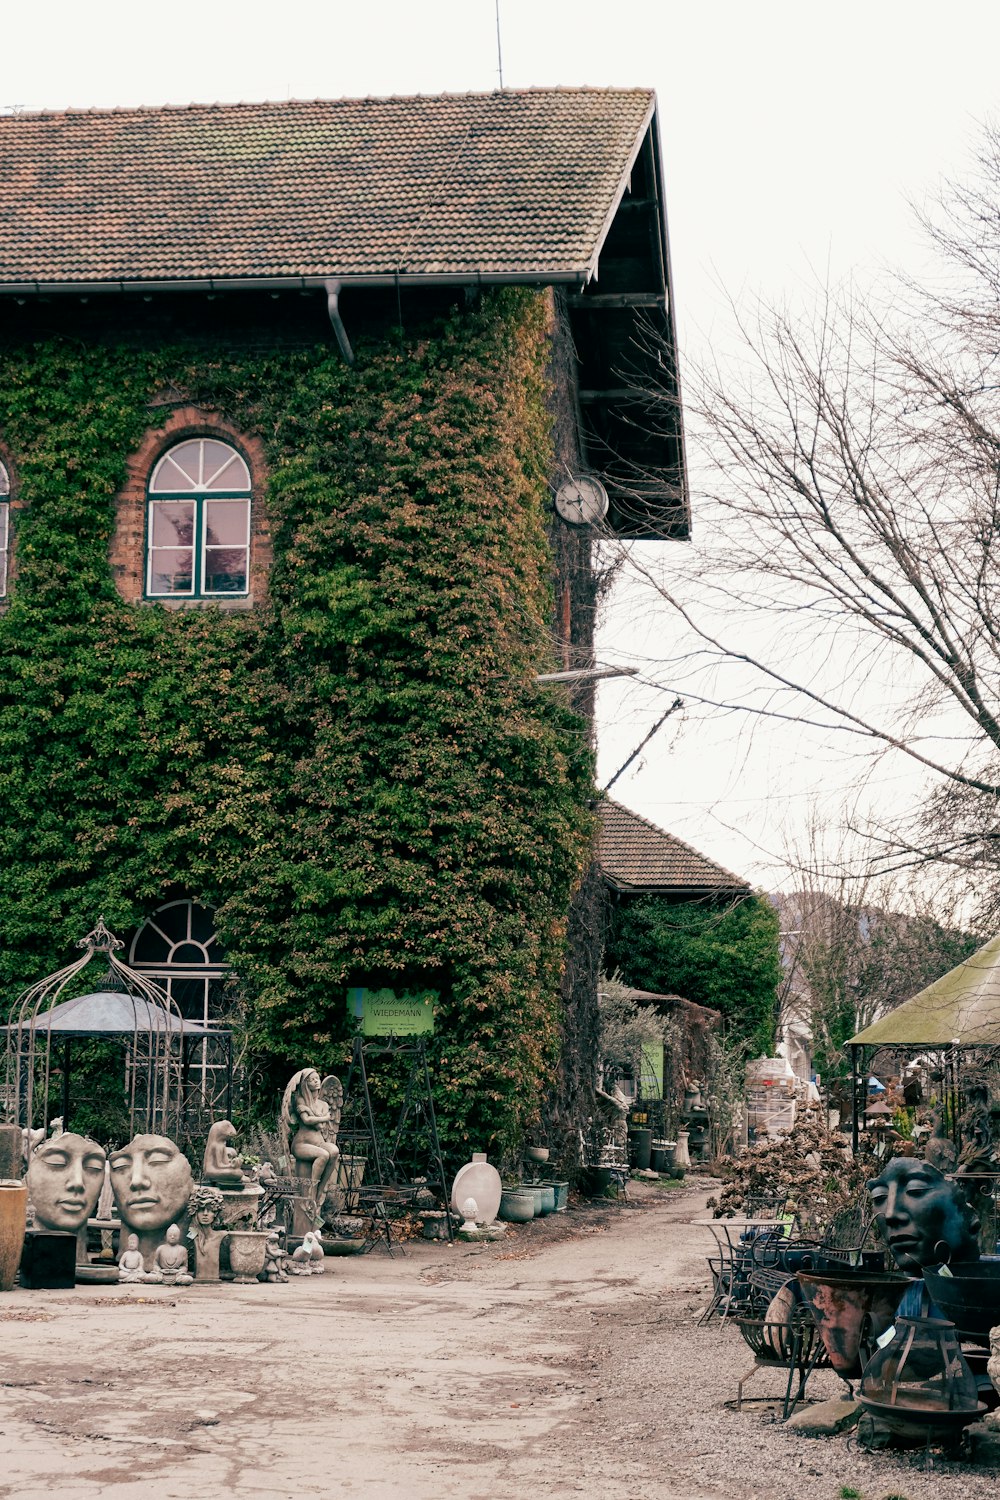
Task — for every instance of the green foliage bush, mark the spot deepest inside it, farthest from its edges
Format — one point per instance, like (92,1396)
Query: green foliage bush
(360,775)
(723,956)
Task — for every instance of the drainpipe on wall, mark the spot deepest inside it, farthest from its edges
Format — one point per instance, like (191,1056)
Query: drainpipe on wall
(337,322)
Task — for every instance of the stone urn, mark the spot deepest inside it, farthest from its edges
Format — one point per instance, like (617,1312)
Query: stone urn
(247,1253)
(682,1157)
(13,1216)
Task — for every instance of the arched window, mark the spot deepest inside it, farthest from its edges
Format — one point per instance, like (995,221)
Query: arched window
(198,522)
(178,947)
(4,528)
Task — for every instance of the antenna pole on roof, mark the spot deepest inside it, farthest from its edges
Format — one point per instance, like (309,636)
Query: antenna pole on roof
(677,703)
(499,46)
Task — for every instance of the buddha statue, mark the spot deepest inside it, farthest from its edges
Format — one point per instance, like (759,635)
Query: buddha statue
(130,1266)
(170,1262)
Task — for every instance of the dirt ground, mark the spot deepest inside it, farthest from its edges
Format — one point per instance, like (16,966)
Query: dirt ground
(564,1360)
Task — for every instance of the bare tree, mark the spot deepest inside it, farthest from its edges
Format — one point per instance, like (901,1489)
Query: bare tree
(851,563)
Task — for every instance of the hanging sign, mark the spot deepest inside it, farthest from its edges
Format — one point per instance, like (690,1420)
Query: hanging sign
(393,1012)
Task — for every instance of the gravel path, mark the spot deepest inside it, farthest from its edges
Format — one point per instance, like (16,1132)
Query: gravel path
(563,1359)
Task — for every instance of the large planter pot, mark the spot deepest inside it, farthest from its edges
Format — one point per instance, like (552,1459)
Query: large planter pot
(516,1206)
(13,1212)
(247,1253)
(561,1190)
(641,1142)
(848,1305)
(548,1199)
(968,1294)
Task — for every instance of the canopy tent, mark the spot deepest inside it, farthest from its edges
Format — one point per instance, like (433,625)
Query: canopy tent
(959,1011)
(174,1069)
(111,1013)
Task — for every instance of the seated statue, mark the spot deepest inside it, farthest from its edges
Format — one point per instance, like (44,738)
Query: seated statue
(310,1117)
(274,1263)
(924,1217)
(130,1264)
(170,1263)
(222,1166)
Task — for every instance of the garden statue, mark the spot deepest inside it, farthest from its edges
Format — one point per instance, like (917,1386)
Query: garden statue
(924,1218)
(65,1178)
(206,1238)
(152,1183)
(274,1263)
(310,1116)
(307,1258)
(222,1165)
(170,1263)
(130,1266)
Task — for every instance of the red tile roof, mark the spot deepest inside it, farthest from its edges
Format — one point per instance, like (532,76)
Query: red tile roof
(635,855)
(520,183)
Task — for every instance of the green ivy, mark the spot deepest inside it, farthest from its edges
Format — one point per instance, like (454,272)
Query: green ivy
(360,775)
(723,956)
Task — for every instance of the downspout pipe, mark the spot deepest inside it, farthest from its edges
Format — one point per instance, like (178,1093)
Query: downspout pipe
(337,322)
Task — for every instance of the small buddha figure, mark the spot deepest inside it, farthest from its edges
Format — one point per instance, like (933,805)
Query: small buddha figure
(274,1263)
(170,1263)
(130,1266)
(222,1165)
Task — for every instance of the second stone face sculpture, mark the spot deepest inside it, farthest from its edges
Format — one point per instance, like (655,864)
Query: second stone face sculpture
(924,1217)
(152,1184)
(65,1178)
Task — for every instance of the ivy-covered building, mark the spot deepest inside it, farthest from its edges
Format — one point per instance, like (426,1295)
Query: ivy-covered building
(286,393)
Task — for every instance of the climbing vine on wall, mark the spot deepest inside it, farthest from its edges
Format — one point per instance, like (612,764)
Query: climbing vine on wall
(360,774)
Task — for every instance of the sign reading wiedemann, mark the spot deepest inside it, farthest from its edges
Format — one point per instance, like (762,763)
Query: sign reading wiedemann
(389,1013)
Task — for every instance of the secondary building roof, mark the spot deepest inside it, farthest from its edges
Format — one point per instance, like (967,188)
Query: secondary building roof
(520,183)
(963,1006)
(636,856)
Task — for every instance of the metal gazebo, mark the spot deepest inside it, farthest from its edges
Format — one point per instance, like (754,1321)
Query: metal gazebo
(164,1053)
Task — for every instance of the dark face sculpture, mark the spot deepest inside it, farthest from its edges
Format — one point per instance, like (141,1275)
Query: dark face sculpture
(65,1178)
(925,1218)
(152,1182)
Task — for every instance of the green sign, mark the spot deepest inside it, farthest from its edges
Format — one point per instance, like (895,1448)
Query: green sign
(389,1013)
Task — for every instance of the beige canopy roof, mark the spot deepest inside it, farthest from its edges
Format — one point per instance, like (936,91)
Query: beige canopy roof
(963,1006)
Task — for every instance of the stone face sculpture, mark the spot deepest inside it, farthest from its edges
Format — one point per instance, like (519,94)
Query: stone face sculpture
(65,1178)
(152,1183)
(924,1218)
(222,1165)
(206,1238)
(130,1266)
(170,1262)
(310,1116)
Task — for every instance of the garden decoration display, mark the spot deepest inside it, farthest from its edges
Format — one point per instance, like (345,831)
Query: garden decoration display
(222,1166)
(478,1180)
(170,1263)
(206,1237)
(308,1258)
(152,1184)
(247,1254)
(924,1218)
(310,1118)
(65,1180)
(470,1212)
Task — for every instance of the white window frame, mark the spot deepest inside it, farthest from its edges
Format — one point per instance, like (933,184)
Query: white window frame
(170,485)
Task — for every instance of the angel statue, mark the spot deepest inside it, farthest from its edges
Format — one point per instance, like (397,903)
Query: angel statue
(310,1116)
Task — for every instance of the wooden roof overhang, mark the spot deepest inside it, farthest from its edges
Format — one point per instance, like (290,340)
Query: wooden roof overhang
(558,188)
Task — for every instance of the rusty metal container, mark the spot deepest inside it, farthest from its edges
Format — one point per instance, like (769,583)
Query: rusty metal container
(851,1309)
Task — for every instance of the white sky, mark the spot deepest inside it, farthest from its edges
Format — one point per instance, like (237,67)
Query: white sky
(792,134)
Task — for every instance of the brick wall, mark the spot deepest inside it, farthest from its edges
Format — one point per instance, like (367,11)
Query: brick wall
(174,423)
